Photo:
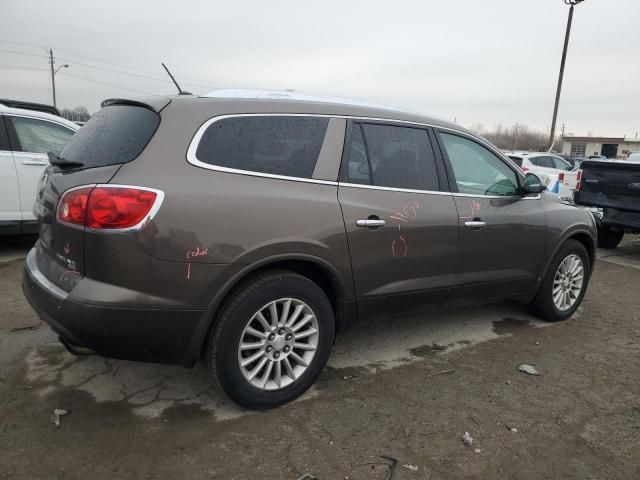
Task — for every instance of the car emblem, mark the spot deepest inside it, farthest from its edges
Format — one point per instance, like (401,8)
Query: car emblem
(635,186)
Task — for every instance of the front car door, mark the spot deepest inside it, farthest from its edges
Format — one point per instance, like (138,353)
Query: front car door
(401,222)
(502,233)
(31,138)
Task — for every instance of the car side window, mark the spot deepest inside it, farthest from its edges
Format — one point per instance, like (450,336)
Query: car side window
(477,170)
(398,157)
(276,145)
(545,162)
(561,164)
(358,164)
(39,136)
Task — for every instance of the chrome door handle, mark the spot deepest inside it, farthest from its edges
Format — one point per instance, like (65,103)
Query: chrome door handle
(369,223)
(475,224)
(35,162)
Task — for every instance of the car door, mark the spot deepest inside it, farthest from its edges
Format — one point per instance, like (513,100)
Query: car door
(31,138)
(401,223)
(502,233)
(10,215)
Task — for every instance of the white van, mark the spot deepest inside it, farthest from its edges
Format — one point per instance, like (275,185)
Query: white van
(25,138)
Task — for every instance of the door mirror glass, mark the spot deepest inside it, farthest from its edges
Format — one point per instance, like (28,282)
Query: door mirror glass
(532,184)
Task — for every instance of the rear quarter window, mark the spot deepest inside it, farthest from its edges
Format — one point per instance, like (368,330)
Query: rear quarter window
(516,160)
(276,145)
(116,134)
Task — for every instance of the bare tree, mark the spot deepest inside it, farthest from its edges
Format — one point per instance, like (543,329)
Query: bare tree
(78,114)
(515,137)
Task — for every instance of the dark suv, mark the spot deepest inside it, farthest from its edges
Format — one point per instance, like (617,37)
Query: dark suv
(246,230)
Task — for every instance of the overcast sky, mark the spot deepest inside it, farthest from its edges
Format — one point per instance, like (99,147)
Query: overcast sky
(489,62)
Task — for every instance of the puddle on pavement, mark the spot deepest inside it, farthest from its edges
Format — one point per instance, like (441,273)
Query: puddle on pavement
(510,326)
(152,389)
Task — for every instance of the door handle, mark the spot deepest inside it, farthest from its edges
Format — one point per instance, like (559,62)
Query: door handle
(35,162)
(370,223)
(475,224)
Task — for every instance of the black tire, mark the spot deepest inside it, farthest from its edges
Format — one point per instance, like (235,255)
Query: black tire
(221,355)
(543,304)
(609,238)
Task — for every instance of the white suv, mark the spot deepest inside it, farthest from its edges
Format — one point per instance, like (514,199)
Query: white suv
(25,138)
(540,162)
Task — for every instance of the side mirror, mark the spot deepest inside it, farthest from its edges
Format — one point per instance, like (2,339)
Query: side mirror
(532,184)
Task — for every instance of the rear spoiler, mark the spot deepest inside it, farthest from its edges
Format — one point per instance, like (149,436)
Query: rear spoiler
(154,103)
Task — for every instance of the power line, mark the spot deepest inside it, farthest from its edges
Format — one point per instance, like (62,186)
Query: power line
(13,52)
(19,67)
(76,62)
(204,83)
(102,83)
(186,81)
(23,43)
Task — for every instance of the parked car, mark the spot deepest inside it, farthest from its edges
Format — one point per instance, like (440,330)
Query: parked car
(634,157)
(613,188)
(37,107)
(540,162)
(26,136)
(245,230)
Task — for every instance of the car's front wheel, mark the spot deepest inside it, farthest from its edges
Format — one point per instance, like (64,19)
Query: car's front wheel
(565,283)
(271,340)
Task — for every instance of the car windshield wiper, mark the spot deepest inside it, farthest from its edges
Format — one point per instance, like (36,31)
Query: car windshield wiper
(62,162)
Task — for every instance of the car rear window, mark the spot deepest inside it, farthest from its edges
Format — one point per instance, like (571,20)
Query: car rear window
(276,145)
(516,160)
(114,135)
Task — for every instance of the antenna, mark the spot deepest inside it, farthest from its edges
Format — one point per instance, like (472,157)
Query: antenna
(180,91)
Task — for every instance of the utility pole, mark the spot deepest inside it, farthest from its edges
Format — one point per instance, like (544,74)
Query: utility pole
(53,76)
(573,3)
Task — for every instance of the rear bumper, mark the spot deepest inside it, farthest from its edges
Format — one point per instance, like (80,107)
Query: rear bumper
(145,334)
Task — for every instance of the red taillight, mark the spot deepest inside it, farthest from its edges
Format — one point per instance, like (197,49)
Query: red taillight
(524,169)
(107,207)
(561,177)
(578,180)
(73,206)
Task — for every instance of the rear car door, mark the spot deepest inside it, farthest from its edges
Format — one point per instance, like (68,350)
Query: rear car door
(31,139)
(10,215)
(502,233)
(401,222)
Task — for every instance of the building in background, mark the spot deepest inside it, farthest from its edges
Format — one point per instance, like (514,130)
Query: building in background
(610,147)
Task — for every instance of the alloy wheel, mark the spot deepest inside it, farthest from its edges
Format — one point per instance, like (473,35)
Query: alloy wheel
(278,344)
(567,283)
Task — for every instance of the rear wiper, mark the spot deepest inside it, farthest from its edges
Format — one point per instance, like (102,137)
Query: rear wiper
(62,162)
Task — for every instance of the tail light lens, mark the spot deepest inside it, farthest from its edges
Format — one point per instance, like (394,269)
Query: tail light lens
(561,177)
(73,205)
(578,180)
(524,169)
(107,207)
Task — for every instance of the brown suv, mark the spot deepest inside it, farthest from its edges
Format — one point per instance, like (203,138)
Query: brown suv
(246,231)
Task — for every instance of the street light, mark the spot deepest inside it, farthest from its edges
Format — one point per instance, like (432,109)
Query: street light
(573,3)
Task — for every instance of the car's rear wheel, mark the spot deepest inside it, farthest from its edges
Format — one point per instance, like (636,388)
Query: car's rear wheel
(565,283)
(609,238)
(272,339)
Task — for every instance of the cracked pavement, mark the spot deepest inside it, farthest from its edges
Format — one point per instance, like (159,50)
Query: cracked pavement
(388,391)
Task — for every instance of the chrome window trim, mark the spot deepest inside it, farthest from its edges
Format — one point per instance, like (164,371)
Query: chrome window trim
(195,141)
(135,228)
(391,189)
